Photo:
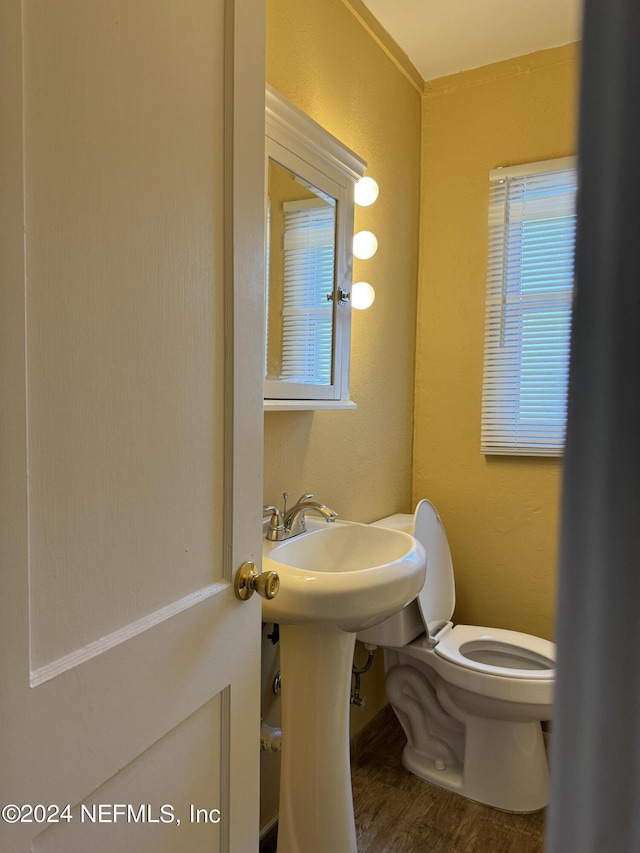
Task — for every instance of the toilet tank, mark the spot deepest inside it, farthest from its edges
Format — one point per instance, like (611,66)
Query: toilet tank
(407,624)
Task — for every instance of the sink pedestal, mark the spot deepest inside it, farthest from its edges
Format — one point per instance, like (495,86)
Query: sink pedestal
(316,803)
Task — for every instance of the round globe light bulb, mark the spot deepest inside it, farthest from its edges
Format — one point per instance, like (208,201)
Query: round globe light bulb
(365,245)
(362,295)
(366,192)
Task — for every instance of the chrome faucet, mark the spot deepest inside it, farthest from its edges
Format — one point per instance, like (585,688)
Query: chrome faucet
(294,519)
(291,522)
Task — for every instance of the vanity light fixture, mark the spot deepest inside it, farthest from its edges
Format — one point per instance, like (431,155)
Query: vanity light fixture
(366,192)
(365,245)
(362,295)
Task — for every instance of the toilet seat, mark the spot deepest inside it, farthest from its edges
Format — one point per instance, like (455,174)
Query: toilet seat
(496,651)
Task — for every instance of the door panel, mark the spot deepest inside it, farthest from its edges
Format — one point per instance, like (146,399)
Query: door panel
(125,350)
(180,776)
(132,420)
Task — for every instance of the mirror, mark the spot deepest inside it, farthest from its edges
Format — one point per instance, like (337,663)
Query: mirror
(300,275)
(308,261)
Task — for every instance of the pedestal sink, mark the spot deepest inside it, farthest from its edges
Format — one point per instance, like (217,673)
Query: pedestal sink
(335,579)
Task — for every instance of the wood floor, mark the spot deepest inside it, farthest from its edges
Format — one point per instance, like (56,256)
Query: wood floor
(398,813)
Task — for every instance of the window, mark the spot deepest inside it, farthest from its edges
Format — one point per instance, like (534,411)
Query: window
(532,225)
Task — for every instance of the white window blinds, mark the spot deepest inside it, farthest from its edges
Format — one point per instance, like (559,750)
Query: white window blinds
(532,226)
(307,317)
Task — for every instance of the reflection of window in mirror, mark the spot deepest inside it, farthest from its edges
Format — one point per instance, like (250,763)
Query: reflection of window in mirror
(301,222)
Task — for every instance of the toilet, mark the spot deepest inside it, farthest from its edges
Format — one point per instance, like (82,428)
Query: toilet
(470,699)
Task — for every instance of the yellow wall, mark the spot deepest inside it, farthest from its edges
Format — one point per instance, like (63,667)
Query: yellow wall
(358,462)
(501,514)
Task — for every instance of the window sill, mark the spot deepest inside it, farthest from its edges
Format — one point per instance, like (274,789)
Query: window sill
(307,405)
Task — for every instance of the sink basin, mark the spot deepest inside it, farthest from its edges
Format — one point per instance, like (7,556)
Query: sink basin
(350,575)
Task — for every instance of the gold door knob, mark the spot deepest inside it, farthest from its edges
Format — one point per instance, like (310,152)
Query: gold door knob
(249,580)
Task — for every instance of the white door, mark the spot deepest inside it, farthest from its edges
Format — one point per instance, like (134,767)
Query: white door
(131,308)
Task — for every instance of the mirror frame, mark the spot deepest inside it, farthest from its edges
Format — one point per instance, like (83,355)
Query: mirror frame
(302,146)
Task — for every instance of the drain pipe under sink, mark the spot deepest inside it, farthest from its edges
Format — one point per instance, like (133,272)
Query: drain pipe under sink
(356,699)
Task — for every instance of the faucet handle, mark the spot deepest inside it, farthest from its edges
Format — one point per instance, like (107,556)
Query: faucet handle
(275,533)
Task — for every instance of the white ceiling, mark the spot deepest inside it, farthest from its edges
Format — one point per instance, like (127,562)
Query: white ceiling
(443,37)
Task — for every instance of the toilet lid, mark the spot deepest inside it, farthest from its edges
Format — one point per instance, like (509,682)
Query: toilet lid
(510,654)
(437,597)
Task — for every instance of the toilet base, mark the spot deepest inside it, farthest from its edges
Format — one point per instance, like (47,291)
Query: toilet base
(498,759)
(505,765)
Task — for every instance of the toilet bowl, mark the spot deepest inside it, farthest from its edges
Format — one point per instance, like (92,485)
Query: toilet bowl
(470,699)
